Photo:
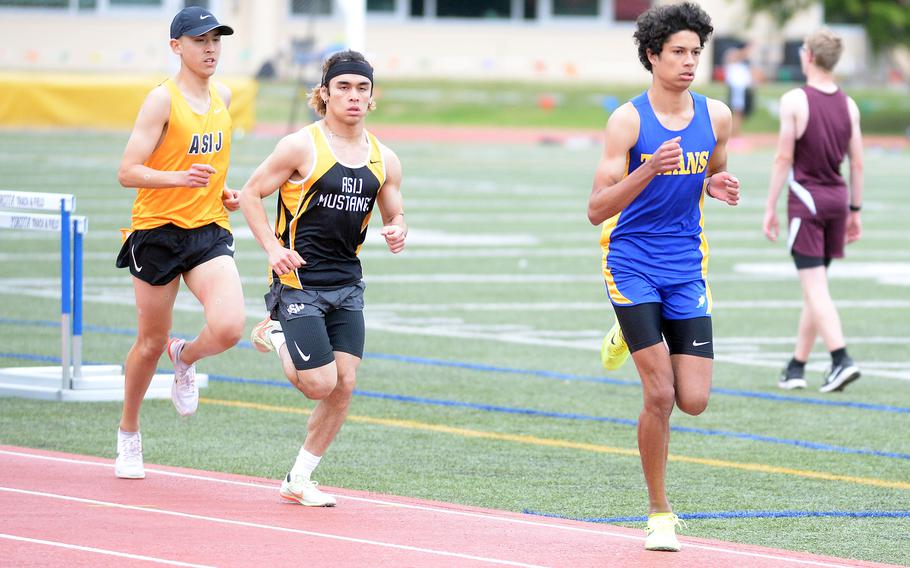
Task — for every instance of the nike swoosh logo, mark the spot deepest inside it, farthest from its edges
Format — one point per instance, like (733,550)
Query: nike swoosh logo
(375,161)
(302,356)
(219,109)
(231,246)
(205,16)
(697,344)
(135,264)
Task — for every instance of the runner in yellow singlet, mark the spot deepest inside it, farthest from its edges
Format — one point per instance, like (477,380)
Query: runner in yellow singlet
(177,158)
(329,176)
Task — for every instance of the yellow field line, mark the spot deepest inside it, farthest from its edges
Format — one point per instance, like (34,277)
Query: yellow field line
(568,444)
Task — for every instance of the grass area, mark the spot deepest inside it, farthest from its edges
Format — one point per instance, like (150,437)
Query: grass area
(482,383)
(574,105)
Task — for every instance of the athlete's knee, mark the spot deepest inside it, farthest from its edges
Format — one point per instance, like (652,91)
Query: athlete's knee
(151,346)
(347,382)
(692,404)
(227,332)
(316,384)
(659,399)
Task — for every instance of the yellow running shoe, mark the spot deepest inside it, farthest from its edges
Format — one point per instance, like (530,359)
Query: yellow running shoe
(662,532)
(614,351)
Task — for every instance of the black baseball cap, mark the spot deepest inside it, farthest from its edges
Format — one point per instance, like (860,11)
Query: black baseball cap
(195,21)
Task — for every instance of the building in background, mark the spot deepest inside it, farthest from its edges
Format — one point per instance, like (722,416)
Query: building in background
(485,39)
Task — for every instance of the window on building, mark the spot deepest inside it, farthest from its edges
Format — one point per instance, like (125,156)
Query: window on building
(530,7)
(629,10)
(576,7)
(311,7)
(416,8)
(126,3)
(381,6)
(34,3)
(474,8)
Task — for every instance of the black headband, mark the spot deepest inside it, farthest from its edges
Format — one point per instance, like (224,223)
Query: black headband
(348,66)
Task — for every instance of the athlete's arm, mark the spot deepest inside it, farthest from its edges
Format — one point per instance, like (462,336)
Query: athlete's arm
(148,131)
(790,104)
(292,154)
(230,197)
(391,206)
(720,184)
(855,154)
(613,190)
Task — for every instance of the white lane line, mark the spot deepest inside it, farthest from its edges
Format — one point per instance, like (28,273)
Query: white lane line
(101,551)
(441,511)
(531,307)
(223,521)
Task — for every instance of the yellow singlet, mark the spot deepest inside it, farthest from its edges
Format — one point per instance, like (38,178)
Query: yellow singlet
(191,138)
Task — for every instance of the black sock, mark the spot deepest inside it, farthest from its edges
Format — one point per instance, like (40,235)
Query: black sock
(838,356)
(796,365)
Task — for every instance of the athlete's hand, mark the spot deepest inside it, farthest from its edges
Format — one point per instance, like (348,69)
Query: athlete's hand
(666,157)
(198,175)
(284,260)
(230,198)
(770,225)
(854,227)
(724,187)
(394,236)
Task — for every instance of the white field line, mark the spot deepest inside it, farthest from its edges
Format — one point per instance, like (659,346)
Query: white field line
(588,345)
(532,307)
(226,521)
(101,551)
(900,279)
(441,511)
(377,251)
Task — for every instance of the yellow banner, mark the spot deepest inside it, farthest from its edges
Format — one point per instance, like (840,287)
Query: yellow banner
(97,101)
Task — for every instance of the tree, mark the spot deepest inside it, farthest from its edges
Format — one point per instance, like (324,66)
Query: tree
(887,22)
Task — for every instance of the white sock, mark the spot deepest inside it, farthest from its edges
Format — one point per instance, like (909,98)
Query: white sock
(305,464)
(277,339)
(124,436)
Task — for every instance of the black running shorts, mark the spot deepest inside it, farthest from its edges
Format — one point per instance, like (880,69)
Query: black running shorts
(643,326)
(159,255)
(318,322)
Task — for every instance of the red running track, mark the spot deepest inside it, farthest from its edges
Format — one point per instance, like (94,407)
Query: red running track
(61,509)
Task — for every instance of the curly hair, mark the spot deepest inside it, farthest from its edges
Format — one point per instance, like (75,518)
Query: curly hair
(655,26)
(315,97)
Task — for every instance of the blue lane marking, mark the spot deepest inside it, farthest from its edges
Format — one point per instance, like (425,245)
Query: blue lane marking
(620,382)
(633,423)
(737,515)
(483,368)
(533,412)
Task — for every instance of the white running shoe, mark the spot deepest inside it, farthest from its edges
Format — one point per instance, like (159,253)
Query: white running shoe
(261,336)
(304,491)
(129,456)
(184,392)
(662,532)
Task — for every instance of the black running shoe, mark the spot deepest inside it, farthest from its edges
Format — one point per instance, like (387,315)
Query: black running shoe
(792,379)
(840,376)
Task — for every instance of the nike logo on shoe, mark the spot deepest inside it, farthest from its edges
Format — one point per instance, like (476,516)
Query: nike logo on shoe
(135,264)
(302,356)
(699,344)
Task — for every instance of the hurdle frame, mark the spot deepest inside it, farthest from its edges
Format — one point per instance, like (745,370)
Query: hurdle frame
(72,380)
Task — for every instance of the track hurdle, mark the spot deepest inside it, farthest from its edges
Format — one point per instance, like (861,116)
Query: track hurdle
(72,380)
